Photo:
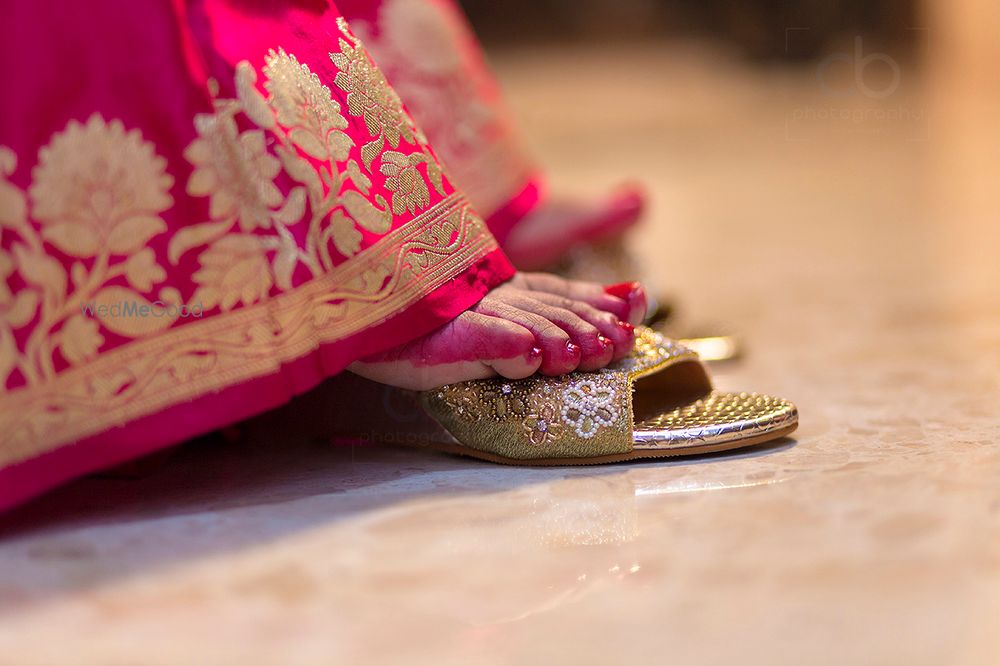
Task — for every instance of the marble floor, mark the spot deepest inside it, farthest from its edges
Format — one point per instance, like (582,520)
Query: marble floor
(851,241)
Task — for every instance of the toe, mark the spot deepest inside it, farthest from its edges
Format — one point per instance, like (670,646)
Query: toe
(559,353)
(591,293)
(620,333)
(503,345)
(625,206)
(634,295)
(472,346)
(596,349)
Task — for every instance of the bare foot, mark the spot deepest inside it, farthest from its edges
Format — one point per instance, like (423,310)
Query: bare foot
(546,235)
(533,323)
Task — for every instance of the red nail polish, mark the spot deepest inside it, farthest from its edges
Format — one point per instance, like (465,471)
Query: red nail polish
(628,199)
(534,354)
(629,328)
(605,342)
(623,290)
(572,349)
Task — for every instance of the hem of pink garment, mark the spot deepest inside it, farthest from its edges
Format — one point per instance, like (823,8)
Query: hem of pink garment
(30,478)
(504,219)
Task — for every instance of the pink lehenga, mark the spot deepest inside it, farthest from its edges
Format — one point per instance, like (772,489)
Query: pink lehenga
(206,207)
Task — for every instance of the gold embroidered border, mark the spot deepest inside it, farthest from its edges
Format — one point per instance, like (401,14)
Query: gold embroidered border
(184,362)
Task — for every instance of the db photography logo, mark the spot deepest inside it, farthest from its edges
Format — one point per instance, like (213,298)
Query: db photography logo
(861,91)
(858,62)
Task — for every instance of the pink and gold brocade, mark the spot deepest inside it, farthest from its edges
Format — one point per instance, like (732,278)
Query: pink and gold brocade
(434,61)
(206,207)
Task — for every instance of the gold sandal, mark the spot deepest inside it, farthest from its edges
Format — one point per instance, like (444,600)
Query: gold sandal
(656,403)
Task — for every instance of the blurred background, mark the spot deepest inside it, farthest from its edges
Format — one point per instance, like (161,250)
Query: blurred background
(827,138)
(754,29)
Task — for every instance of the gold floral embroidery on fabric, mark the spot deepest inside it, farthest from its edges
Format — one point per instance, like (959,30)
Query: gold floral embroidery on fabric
(236,171)
(99,189)
(97,195)
(420,44)
(303,104)
(409,191)
(370,97)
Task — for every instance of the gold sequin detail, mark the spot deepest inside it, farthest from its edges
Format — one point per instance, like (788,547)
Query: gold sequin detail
(545,408)
(715,418)
(652,351)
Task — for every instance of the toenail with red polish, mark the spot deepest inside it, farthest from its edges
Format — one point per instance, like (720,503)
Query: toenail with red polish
(534,354)
(628,200)
(572,349)
(605,342)
(629,328)
(623,290)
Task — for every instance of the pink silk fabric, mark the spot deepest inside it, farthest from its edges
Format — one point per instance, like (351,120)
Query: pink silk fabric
(206,207)
(432,57)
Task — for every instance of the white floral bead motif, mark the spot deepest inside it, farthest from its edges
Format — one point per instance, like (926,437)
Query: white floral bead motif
(587,405)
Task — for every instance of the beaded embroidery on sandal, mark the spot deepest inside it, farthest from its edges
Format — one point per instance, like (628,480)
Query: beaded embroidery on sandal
(658,402)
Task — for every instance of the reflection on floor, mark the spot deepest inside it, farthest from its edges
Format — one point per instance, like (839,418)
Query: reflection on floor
(852,241)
